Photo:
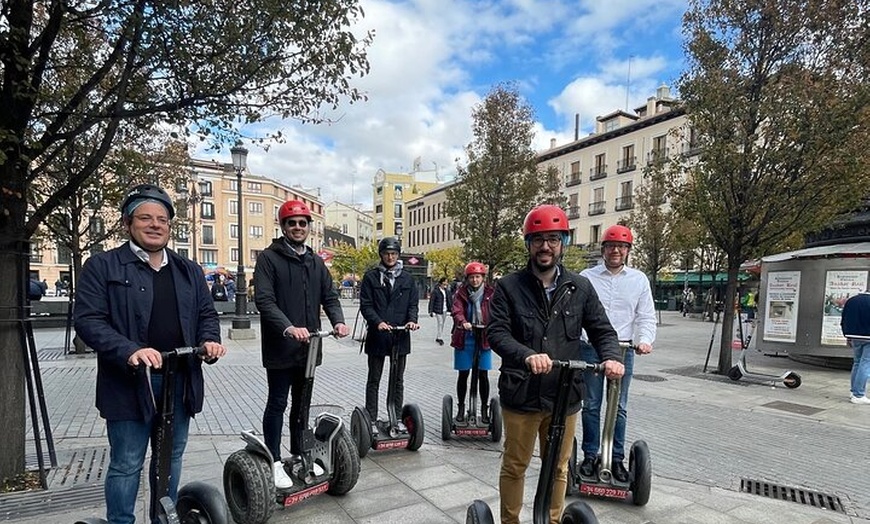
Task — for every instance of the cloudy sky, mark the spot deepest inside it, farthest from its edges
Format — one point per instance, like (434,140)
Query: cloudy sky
(432,61)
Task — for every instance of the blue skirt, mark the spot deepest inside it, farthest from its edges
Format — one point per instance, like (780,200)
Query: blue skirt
(462,357)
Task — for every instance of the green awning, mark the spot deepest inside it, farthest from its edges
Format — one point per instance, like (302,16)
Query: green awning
(696,278)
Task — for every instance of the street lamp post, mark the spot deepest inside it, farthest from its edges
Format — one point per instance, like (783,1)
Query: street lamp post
(241,323)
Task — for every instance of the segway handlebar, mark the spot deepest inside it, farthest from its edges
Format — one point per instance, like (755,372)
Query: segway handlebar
(323,333)
(579,364)
(180,352)
(398,328)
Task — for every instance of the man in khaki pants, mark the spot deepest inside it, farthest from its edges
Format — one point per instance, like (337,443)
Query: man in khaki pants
(536,315)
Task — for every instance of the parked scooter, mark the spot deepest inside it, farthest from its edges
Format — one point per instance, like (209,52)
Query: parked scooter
(789,379)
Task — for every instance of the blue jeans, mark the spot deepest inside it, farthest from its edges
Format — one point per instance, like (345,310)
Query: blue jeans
(860,367)
(128,442)
(591,414)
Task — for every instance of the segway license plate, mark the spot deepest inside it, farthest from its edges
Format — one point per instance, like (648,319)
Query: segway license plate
(307,493)
(391,444)
(603,491)
(472,432)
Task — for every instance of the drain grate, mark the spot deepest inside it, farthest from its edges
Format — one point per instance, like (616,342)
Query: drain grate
(82,466)
(649,378)
(791,407)
(789,494)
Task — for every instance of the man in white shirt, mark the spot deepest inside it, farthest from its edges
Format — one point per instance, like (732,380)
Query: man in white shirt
(627,299)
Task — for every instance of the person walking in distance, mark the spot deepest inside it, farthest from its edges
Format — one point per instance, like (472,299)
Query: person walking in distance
(471,308)
(291,285)
(855,323)
(388,297)
(537,314)
(132,303)
(439,303)
(627,299)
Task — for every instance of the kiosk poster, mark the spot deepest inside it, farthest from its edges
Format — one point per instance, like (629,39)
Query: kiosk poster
(839,286)
(781,306)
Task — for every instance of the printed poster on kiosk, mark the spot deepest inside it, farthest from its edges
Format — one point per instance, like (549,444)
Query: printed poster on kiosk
(781,306)
(839,286)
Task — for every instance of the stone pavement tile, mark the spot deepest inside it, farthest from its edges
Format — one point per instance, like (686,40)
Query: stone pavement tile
(373,476)
(415,514)
(322,509)
(458,494)
(697,514)
(362,503)
(432,476)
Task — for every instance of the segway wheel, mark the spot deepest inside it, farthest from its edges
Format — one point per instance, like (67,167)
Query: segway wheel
(92,520)
(573,480)
(495,420)
(734,373)
(201,503)
(166,512)
(446,417)
(249,487)
(413,420)
(640,468)
(792,380)
(479,513)
(345,464)
(579,512)
(361,431)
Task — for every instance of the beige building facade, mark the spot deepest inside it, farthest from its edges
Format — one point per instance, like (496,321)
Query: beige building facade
(391,191)
(429,226)
(350,221)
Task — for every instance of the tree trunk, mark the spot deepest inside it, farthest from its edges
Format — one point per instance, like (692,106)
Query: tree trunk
(728,311)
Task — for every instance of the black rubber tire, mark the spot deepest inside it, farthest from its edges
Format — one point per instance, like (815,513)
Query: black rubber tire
(572,486)
(578,512)
(792,380)
(479,513)
(413,420)
(734,373)
(446,417)
(495,421)
(640,472)
(361,431)
(345,464)
(201,503)
(92,520)
(249,488)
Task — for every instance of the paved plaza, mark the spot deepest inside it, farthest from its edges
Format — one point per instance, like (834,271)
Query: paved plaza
(709,438)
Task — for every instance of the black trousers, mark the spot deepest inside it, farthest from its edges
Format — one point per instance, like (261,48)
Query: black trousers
(281,382)
(376,370)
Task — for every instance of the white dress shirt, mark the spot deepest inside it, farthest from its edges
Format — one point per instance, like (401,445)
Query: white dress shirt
(628,301)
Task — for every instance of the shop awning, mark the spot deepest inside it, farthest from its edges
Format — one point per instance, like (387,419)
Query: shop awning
(695,278)
(856,249)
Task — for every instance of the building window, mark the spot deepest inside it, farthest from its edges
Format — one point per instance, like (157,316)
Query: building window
(206,210)
(234,231)
(256,231)
(379,226)
(611,125)
(255,208)
(205,188)
(255,187)
(234,207)
(628,162)
(379,209)
(64,255)
(574,177)
(183,252)
(96,227)
(254,254)
(207,234)
(234,254)
(208,256)
(397,210)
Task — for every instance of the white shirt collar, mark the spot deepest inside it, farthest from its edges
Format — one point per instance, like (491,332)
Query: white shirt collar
(143,255)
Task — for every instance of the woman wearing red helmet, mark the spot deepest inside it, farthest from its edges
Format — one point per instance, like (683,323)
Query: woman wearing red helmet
(471,308)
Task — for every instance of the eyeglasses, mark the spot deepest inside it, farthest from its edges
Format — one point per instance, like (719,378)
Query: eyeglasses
(620,247)
(294,223)
(148,219)
(552,241)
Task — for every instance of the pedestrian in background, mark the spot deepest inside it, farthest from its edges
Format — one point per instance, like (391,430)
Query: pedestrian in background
(439,304)
(855,323)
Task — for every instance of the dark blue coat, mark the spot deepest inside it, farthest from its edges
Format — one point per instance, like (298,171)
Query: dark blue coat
(112,314)
(397,309)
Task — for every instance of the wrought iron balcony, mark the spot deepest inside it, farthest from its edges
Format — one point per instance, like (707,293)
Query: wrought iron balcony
(625,202)
(597,208)
(598,172)
(35,258)
(626,164)
(573,212)
(657,156)
(573,180)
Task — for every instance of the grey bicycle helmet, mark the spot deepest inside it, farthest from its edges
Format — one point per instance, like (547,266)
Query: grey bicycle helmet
(148,192)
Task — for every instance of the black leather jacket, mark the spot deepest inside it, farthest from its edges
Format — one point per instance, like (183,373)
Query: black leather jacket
(524,322)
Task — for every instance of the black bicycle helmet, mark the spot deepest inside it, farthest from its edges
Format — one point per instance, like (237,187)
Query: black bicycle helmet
(389,244)
(150,192)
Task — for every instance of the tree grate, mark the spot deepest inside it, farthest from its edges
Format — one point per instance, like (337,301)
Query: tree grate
(789,494)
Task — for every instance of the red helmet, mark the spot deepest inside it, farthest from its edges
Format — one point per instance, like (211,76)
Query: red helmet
(475,268)
(618,233)
(545,218)
(293,208)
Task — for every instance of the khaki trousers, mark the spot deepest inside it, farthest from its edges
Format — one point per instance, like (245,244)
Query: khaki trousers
(520,430)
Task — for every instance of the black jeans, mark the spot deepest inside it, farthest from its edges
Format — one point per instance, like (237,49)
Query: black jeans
(281,382)
(376,369)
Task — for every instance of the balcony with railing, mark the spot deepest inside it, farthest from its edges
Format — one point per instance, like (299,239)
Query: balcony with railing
(573,180)
(573,212)
(626,164)
(624,202)
(597,208)
(691,149)
(598,172)
(36,258)
(657,156)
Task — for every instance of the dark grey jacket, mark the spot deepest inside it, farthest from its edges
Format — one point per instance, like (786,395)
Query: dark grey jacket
(289,290)
(522,322)
(398,308)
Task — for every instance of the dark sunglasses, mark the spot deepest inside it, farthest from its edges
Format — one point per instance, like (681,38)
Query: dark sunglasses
(293,223)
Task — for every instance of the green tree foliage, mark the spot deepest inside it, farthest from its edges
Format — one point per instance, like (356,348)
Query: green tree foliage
(501,182)
(82,72)
(777,93)
(354,261)
(446,263)
(651,221)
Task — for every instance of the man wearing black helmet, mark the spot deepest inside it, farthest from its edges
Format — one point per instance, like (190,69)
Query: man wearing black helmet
(132,303)
(291,283)
(388,297)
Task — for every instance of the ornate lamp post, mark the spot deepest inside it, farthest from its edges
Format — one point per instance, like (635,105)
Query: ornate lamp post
(241,323)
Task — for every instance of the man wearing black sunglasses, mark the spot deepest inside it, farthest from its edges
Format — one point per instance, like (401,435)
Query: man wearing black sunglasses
(291,283)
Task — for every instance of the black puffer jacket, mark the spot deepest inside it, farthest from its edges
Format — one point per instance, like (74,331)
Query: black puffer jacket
(289,290)
(522,323)
(397,309)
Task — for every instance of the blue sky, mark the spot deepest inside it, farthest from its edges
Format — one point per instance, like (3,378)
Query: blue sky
(433,60)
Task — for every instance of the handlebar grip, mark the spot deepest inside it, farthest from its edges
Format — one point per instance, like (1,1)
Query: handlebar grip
(323,333)
(398,328)
(579,364)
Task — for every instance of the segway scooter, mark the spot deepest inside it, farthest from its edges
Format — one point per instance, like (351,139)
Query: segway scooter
(248,477)
(789,379)
(386,434)
(577,512)
(197,502)
(472,425)
(604,484)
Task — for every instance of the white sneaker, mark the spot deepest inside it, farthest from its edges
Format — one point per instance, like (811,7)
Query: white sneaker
(859,400)
(282,479)
(317,469)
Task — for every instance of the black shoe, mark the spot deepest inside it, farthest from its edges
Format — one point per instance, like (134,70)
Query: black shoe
(619,471)
(460,415)
(484,415)
(439,341)
(588,467)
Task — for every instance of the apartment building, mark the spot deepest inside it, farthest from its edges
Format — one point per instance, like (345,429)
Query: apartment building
(429,226)
(602,172)
(351,221)
(391,191)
